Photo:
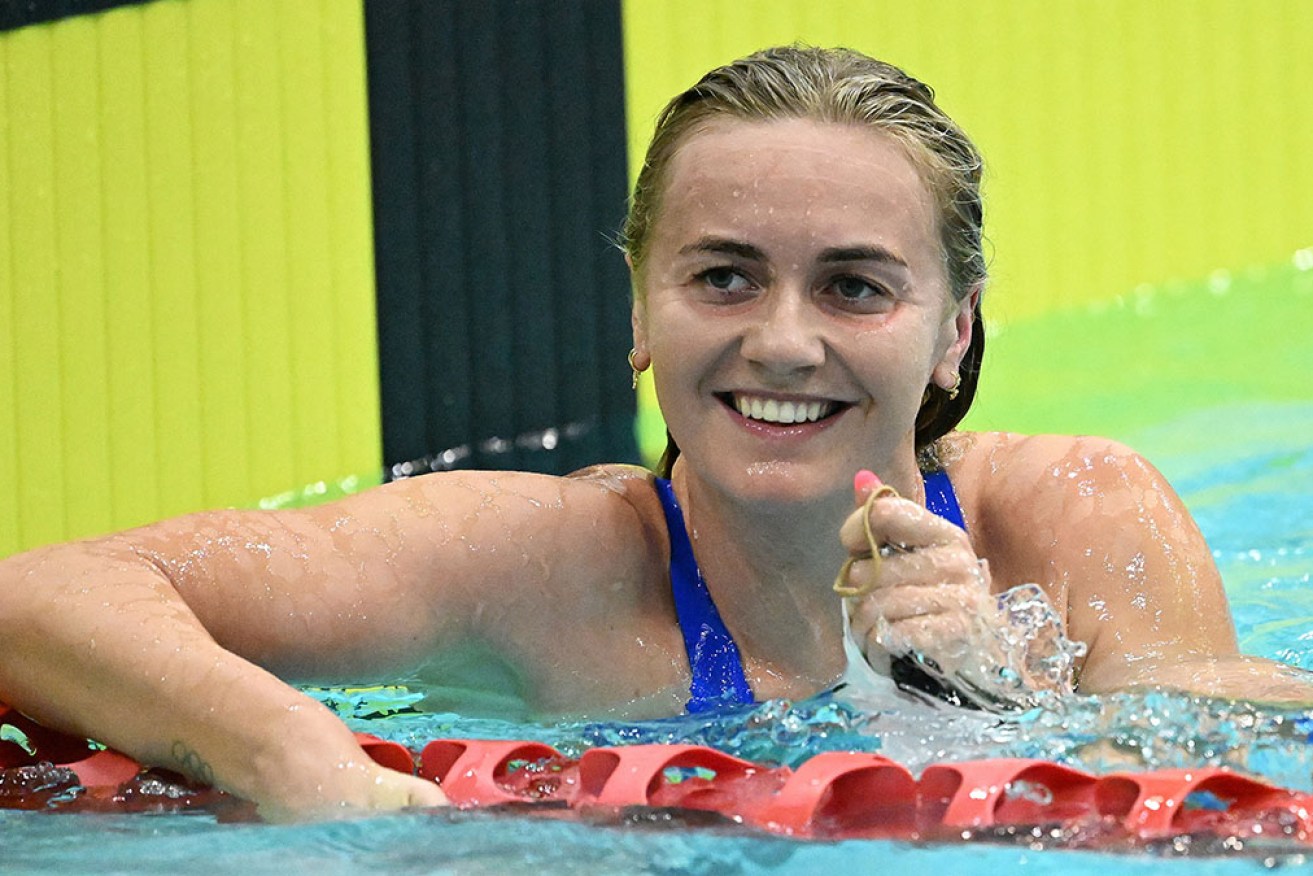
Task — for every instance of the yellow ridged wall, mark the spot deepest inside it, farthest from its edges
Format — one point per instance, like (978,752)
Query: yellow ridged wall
(1127,142)
(186,314)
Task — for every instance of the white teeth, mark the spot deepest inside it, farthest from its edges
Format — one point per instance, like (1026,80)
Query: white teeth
(784,412)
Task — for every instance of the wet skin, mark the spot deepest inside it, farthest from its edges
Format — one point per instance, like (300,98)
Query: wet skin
(790,262)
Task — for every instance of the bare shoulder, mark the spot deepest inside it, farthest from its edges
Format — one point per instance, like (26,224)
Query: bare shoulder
(1012,453)
(630,490)
(1023,476)
(625,498)
(598,522)
(1032,500)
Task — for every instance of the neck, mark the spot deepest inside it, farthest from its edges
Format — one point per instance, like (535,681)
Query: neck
(770,570)
(907,480)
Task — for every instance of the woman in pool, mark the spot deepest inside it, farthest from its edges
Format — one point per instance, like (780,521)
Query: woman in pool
(805,242)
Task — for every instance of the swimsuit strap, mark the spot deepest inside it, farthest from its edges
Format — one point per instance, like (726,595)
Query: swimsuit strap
(941,499)
(713,658)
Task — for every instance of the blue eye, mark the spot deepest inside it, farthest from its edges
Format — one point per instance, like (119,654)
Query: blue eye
(725,280)
(856,289)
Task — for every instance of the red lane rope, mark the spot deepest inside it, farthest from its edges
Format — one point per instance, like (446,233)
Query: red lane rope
(835,795)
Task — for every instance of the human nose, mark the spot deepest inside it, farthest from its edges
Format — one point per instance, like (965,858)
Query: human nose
(784,336)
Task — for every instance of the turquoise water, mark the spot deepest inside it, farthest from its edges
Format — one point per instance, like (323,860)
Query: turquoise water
(1249,481)
(406,844)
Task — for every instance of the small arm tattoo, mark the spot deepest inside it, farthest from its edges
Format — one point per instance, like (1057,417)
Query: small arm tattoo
(193,766)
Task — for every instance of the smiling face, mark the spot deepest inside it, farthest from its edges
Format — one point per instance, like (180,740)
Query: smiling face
(794,305)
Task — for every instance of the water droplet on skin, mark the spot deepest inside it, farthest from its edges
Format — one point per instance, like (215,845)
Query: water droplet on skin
(1135,568)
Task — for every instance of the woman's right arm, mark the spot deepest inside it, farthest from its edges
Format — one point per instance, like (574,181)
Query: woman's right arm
(163,642)
(98,641)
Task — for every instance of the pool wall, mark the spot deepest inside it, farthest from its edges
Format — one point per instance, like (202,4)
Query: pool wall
(186,272)
(187,277)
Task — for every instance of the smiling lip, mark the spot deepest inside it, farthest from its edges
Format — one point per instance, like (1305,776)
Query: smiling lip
(776,413)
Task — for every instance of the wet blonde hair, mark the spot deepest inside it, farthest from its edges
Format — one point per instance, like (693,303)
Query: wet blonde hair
(844,87)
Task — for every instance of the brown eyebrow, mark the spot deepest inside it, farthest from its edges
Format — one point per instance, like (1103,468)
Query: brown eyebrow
(861,254)
(724,245)
(834,254)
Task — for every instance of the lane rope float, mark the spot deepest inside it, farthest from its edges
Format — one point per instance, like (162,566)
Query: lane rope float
(831,796)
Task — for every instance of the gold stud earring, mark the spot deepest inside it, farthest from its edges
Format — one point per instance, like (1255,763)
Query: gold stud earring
(634,368)
(956,387)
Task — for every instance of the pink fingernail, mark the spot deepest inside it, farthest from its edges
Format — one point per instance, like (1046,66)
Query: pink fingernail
(866,480)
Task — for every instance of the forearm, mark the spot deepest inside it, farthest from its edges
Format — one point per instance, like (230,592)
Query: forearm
(97,642)
(1232,676)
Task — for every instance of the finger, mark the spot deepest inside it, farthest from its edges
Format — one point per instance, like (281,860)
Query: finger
(901,522)
(865,483)
(902,603)
(854,588)
(394,790)
(425,793)
(932,567)
(867,487)
(853,533)
(944,637)
(370,787)
(935,566)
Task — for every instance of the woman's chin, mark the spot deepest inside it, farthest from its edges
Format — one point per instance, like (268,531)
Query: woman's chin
(788,483)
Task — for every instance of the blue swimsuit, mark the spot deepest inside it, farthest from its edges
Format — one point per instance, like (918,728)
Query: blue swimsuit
(713,658)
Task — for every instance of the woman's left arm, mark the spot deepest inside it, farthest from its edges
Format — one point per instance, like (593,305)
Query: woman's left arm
(1102,532)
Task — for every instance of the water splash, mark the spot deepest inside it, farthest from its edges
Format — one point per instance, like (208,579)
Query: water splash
(1022,658)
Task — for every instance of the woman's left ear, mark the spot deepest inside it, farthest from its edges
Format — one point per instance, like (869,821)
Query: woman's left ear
(962,319)
(640,359)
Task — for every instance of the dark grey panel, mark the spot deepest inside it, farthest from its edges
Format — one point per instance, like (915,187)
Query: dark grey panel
(498,145)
